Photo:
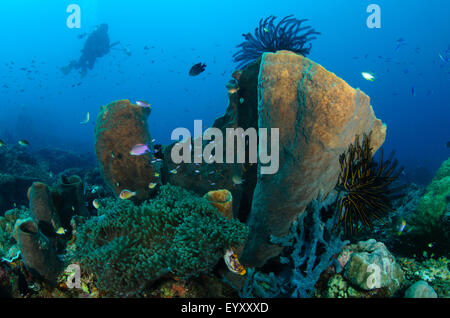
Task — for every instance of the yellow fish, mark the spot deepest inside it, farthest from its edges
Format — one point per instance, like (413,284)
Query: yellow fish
(152,185)
(96,204)
(126,194)
(233,90)
(61,231)
(156,174)
(233,263)
(237,180)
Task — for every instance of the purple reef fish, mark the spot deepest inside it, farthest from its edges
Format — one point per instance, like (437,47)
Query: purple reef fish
(139,149)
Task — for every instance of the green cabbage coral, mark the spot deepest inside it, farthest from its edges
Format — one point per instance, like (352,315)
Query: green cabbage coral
(433,208)
(177,233)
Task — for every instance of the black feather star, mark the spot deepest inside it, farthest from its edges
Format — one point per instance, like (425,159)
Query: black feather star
(288,34)
(366,191)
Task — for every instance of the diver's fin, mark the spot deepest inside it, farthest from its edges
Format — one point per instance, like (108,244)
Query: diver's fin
(68,68)
(114,44)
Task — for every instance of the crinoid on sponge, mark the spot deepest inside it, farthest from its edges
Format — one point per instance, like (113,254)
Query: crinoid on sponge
(288,34)
(366,191)
(178,233)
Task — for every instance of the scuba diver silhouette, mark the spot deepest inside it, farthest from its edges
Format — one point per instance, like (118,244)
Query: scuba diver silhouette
(97,45)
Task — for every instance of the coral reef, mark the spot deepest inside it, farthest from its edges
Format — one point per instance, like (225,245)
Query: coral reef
(318,116)
(288,34)
(311,246)
(120,126)
(431,220)
(20,167)
(338,287)
(431,270)
(177,234)
(8,249)
(37,234)
(366,187)
(260,285)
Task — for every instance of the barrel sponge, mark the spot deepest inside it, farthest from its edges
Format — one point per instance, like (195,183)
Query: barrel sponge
(222,200)
(38,254)
(120,126)
(177,233)
(42,208)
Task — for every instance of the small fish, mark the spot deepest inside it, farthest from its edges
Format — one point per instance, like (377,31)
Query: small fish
(233,263)
(401,227)
(241,100)
(95,189)
(448,144)
(413,91)
(232,87)
(156,174)
(237,180)
(86,120)
(430,245)
(400,42)
(197,69)
(61,231)
(126,194)
(152,185)
(443,58)
(96,204)
(197,171)
(266,29)
(2,143)
(173,171)
(142,103)
(233,90)
(139,149)
(368,76)
(23,143)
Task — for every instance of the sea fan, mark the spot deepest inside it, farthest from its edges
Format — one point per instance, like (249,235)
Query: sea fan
(288,34)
